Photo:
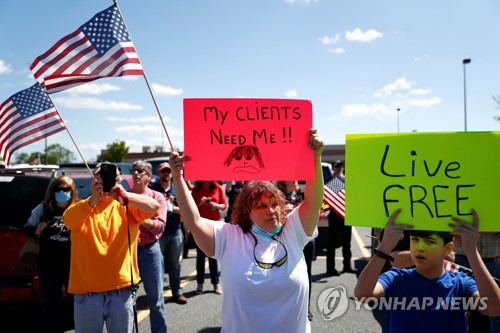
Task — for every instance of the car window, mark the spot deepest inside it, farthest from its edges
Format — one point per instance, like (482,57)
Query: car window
(156,161)
(84,190)
(19,195)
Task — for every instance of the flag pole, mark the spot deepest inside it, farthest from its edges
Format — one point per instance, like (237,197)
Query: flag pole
(72,139)
(147,83)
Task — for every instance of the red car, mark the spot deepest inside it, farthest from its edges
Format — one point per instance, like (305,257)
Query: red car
(20,192)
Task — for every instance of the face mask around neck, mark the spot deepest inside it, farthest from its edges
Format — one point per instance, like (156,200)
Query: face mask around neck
(258,230)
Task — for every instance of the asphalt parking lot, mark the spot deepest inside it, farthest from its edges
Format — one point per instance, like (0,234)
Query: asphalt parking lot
(202,313)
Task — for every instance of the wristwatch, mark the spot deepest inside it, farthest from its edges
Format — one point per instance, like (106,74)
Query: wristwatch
(383,255)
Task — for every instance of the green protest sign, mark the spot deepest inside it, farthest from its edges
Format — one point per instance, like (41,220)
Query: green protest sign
(430,176)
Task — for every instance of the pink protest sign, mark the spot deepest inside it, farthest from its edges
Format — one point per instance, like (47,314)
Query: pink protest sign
(247,139)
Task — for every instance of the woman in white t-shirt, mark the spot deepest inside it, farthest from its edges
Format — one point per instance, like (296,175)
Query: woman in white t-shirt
(261,252)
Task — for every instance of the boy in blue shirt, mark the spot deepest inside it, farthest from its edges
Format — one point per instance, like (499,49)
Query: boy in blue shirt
(429,298)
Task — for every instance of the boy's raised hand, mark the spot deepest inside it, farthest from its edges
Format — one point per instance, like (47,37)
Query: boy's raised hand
(469,233)
(393,233)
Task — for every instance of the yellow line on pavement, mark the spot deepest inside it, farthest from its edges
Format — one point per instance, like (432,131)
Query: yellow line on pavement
(360,242)
(143,314)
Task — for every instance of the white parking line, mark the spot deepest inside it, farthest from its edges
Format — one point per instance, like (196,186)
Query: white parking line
(360,243)
(143,314)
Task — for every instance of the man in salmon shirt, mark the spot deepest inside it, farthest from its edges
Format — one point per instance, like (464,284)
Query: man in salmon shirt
(104,270)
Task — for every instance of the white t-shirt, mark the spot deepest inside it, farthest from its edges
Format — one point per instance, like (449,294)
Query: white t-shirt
(257,299)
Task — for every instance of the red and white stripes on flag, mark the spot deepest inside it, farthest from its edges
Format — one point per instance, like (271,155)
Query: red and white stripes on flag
(100,48)
(26,117)
(452,267)
(336,201)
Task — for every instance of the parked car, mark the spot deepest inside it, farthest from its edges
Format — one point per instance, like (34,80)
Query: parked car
(82,179)
(20,192)
(124,168)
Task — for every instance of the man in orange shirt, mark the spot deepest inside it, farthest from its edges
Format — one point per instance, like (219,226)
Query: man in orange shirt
(104,271)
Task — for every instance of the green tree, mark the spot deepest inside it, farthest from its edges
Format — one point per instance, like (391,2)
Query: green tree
(115,152)
(22,158)
(57,154)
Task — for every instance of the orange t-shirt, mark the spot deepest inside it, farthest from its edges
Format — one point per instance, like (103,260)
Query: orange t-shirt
(101,256)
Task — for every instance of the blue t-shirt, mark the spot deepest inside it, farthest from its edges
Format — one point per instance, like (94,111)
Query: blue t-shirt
(423,305)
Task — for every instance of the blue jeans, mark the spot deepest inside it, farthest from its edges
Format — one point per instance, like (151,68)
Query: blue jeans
(493,266)
(152,273)
(113,307)
(171,247)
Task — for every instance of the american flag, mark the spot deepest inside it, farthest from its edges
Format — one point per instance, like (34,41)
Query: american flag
(26,117)
(334,195)
(100,48)
(452,267)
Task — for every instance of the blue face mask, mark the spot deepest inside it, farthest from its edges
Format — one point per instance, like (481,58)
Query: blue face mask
(63,197)
(258,230)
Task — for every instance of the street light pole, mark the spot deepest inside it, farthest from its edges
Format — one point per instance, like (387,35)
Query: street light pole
(397,117)
(465,62)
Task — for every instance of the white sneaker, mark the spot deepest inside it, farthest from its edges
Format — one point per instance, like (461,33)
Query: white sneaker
(217,289)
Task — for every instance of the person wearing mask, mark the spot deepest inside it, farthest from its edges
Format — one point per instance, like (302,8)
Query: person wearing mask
(46,225)
(261,251)
(104,272)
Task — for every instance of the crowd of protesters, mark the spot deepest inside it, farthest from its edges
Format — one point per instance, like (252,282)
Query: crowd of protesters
(144,229)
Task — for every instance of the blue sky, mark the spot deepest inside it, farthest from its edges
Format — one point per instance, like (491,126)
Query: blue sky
(357,61)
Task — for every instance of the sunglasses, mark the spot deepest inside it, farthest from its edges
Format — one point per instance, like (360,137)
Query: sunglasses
(138,170)
(266,265)
(63,189)
(165,170)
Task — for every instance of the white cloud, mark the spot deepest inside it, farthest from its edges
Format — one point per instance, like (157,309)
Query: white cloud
(379,111)
(153,135)
(425,102)
(76,102)
(292,93)
(94,88)
(327,40)
(337,50)
(389,89)
(420,91)
(136,129)
(4,68)
(357,35)
(130,77)
(90,150)
(166,90)
(132,120)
